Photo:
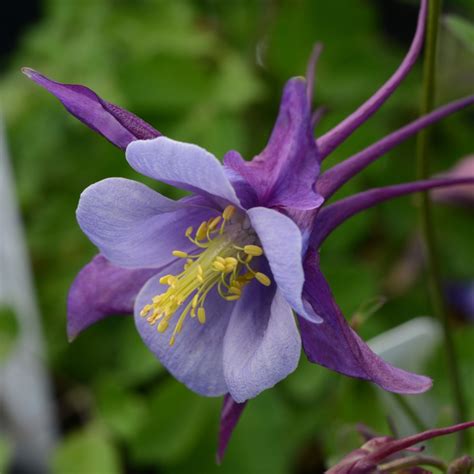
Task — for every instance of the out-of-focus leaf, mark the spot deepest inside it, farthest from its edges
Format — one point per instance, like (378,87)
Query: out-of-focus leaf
(5,453)
(261,442)
(462,29)
(173,424)
(8,331)
(121,409)
(307,382)
(86,451)
(236,87)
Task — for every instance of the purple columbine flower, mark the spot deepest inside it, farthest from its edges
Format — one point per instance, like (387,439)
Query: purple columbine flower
(215,278)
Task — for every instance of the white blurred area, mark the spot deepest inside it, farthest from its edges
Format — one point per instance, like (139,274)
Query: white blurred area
(409,346)
(27,425)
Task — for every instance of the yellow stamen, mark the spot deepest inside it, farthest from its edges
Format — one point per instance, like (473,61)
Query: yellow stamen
(222,264)
(214,223)
(163,325)
(179,254)
(201,232)
(253,250)
(202,315)
(228,212)
(218,266)
(263,279)
(164,280)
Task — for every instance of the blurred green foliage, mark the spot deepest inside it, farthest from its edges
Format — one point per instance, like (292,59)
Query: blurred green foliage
(211,72)
(8,331)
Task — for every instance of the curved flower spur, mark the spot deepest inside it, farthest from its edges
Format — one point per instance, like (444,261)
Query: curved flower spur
(214,278)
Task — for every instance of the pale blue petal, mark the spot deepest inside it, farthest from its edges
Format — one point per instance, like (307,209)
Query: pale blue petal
(196,357)
(262,344)
(183,165)
(134,226)
(282,243)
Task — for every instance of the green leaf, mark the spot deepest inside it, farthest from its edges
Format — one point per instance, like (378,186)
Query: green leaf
(462,29)
(86,451)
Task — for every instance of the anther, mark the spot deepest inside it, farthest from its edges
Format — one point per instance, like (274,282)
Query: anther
(189,231)
(202,315)
(162,326)
(164,279)
(263,279)
(232,297)
(201,232)
(228,212)
(214,223)
(253,250)
(218,266)
(199,274)
(179,254)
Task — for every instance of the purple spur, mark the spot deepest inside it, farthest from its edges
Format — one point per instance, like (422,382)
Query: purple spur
(214,279)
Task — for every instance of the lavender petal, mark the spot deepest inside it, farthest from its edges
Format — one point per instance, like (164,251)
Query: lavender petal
(183,165)
(283,246)
(196,357)
(134,226)
(262,344)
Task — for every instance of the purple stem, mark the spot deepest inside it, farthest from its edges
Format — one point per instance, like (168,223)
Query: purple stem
(335,214)
(330,181)
(332,139)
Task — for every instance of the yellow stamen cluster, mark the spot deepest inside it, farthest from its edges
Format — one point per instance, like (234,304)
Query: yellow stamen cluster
(220,264)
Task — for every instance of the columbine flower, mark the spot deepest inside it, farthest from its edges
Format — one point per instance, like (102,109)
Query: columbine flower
(213,279)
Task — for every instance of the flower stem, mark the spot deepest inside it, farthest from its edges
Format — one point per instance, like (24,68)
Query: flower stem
(412,415)
(412,461)
(426,221)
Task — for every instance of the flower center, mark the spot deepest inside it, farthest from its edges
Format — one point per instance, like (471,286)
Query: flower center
(225,248)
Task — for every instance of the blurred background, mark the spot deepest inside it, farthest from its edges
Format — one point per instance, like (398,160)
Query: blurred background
(211,72)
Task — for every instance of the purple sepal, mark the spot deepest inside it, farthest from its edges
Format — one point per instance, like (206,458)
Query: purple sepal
(119,126)
(336,346)
(100,290)
(335,214)
(332,179)
(284,174)
(332,139)
(230,415)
